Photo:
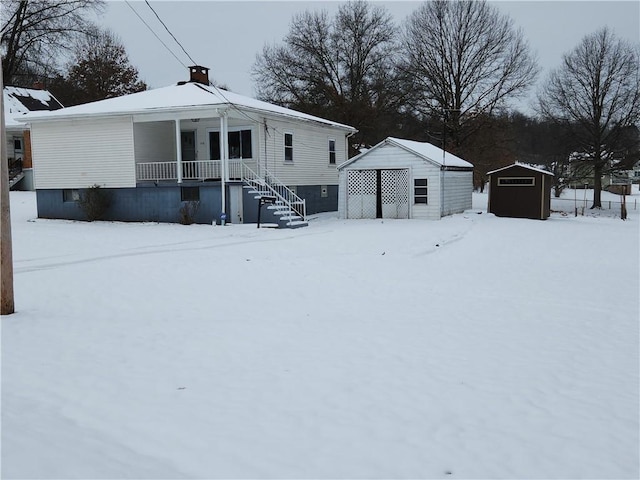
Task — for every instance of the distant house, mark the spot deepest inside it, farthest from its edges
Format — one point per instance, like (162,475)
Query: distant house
(17,102)
(153,151)
(520,191)
(404,179)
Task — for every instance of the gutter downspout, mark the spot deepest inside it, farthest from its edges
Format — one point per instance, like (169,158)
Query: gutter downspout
(346,144)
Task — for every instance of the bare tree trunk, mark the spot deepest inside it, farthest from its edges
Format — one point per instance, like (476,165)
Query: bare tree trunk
(7,306)
(597,186)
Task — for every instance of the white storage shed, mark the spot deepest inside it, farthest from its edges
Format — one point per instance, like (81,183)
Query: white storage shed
(404,179)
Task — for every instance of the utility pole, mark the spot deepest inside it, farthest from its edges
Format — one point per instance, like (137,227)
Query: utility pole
(7,306)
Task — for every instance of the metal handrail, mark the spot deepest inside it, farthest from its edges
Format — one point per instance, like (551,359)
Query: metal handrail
(277,188)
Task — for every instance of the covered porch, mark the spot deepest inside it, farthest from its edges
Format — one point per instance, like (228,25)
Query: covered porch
(187,147)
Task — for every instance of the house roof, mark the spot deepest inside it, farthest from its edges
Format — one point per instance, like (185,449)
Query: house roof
(19,101)
(187,96)
(528,167)
(426,151)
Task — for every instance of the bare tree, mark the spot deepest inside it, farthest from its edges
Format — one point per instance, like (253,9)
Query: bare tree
(34,32)
(99,69)
(466,60)
(596,93)
(339,67)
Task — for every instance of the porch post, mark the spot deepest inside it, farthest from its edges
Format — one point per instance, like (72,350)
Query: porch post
(223,157)
(178,151)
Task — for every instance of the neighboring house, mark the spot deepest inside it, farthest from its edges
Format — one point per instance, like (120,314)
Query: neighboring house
(634,173)
(17,102)
(404,179)
(520,191)
(153,151)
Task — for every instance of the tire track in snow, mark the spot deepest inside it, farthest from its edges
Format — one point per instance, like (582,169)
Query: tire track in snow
(51,266)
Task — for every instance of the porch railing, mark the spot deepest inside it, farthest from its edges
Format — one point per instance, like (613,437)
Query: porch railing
(191,170)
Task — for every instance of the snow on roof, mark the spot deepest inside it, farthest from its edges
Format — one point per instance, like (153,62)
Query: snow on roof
(523,165)
(183,96)
(18,101)
(425,150)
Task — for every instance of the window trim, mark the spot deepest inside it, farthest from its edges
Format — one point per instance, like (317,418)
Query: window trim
(21,148)
(504,182)
(285,146)
(187,192)
(70,195)
(334,151)
(231,130)
(417,184)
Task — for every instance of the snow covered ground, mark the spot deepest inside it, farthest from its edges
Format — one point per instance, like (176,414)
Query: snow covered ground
(471,347)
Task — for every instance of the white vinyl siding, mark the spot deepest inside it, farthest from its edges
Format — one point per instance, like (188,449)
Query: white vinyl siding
(82,153)
(310,156)
(458,188)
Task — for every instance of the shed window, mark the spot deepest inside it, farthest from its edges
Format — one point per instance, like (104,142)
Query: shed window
(516,181)
(288,147)
(420,190)
(332,151)
(190,194)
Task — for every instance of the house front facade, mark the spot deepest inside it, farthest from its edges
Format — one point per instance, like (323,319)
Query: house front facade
(154,150)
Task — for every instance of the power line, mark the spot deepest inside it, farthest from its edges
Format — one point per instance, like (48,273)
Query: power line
(169,31)
(155,34)
(217,90)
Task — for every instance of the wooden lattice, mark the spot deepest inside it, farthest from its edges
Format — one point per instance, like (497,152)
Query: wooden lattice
(361,190)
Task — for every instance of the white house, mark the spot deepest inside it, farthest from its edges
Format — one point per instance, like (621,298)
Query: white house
(404,179)
(17,102)
(154,150)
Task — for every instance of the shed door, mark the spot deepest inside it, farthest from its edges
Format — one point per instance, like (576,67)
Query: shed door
(361,193)
(394,192)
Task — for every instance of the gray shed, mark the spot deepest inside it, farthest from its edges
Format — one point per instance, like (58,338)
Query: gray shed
(404,179)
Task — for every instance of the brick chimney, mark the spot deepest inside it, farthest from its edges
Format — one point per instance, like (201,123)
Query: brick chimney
(38,85)
(199,74)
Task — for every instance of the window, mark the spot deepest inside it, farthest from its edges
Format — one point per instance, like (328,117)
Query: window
(240,144)
(288,147)
(190,194)
(17,145)
(516,181)
(70,195)
(420,190)
(332,151)
(238,141)
(214,145)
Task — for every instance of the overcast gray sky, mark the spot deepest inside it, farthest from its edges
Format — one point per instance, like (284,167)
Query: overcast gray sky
(226,36)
